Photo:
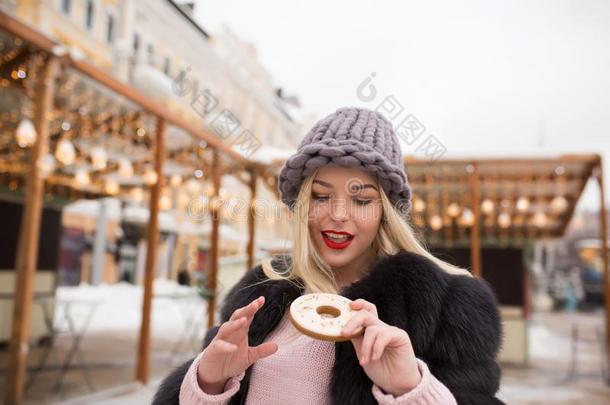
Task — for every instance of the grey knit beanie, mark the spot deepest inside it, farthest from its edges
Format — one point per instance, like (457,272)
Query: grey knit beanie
(351,137)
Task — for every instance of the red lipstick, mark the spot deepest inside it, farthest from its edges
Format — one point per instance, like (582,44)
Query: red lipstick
(334,244)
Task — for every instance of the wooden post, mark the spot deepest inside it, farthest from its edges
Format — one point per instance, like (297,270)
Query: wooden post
(604,251)
(142,367)
(252,220)
(215,212)
(475,236)
(29,234)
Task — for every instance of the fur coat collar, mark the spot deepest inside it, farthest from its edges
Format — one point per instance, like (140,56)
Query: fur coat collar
(453,323)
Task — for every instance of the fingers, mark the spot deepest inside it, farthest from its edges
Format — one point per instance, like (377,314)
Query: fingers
(261,351)
(388,337)
(230,327)
(360,319)
(371,335)
(249,310)
(223,347)
(380,344)
(363,304)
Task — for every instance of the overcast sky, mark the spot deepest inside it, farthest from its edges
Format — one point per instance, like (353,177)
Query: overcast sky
(487,78)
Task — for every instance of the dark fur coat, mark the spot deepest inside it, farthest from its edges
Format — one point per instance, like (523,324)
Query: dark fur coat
(453,322)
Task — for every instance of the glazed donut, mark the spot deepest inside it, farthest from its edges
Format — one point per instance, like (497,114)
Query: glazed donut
(322,316)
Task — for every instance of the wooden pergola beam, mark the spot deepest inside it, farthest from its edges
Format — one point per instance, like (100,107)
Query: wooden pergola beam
(252,220)
(29,234)
(144,343)
(603,221)
(561,159)
(475,230)
(572,207)
(214,243)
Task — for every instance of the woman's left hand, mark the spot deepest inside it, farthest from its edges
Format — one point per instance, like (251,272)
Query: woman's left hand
(385,352)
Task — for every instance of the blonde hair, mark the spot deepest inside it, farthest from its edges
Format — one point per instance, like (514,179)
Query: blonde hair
(395,235)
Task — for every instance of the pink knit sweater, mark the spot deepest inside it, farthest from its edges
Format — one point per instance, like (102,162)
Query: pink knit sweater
(302,367)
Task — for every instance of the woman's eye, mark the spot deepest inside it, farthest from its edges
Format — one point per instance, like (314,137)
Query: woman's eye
(319,197)
(363,202)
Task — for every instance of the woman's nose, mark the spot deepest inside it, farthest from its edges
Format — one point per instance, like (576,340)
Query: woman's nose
(338,210)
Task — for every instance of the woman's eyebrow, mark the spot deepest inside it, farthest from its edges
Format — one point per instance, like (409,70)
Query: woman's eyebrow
(323,183)
(355,186)
(358,187)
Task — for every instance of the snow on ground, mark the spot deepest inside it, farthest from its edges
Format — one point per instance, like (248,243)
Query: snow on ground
(119,307)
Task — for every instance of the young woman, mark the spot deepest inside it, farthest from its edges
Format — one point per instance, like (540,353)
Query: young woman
(431,331)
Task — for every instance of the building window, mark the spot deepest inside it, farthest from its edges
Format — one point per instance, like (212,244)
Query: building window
(136,43)
(166,65)
(110,29)
(151,54)
(66,6)
(89,14)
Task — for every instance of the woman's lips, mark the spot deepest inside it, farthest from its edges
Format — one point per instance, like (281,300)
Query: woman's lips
(337,239)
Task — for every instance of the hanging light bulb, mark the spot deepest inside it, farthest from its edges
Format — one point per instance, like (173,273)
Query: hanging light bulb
(540,219)
(150,176)
(26,133)
(523,204)
(209,191)
(487,206)
(46,165)
(175,180)
(419,205)
(125,168)
(99,158)
(81,177)
(467,218)
(137,194)
(453,210)
(192,186)
(504,220)
(436,222)
(65,152)
(112,186)
(559,204)
(183,200)
(165,203)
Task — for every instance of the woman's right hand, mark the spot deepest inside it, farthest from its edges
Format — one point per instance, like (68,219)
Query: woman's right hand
(229,354)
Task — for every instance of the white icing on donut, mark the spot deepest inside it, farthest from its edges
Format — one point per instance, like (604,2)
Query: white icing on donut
(304,312)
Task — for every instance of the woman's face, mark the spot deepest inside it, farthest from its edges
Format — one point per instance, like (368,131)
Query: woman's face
(344,215)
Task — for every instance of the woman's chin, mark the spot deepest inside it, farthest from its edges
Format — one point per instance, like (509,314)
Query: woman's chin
(337,258)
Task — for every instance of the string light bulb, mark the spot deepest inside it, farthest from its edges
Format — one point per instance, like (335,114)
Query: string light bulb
(453,210)
(559,204)
(65,152)
(540,219)
(99,158)
(46,165)
(81,176)
(504,220)
(175,180)
(26,133)
(487,206)
(467,218)
(111,186)
(436,222)
(125,168)
(192,186)
(419,205)
(523,204)
(150,176)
